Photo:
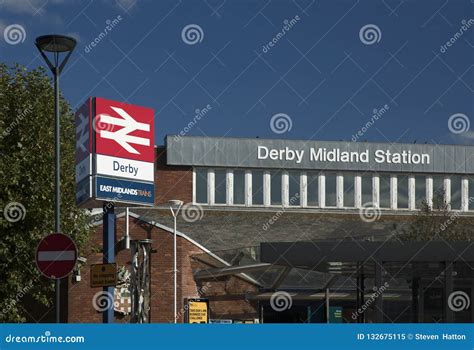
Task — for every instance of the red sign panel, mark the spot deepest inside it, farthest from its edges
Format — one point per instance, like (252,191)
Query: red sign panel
(123,130)
(56,255)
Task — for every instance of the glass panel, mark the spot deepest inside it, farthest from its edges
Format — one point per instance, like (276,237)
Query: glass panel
(456,192)
(239,187)
(330,190)
(366,181)
(219,186)
(201,185)
(471,193)
(420,191)
(294,188)
(257,187)
(275,187)
(438,192)
(384,190)
(348,190)
(402,192)
(312,194)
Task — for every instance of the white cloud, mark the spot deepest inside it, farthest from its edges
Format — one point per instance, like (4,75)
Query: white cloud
(28,7)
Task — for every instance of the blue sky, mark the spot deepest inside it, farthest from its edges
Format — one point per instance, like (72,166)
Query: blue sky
(323,74)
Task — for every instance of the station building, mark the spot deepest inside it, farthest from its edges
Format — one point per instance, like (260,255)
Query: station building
(300,231)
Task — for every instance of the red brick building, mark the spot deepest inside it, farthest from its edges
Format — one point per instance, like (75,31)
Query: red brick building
(241,194)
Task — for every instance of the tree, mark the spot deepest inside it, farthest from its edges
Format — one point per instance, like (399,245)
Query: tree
(27,188)
(439,222)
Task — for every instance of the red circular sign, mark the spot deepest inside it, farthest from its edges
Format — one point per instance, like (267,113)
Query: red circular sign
(56,255)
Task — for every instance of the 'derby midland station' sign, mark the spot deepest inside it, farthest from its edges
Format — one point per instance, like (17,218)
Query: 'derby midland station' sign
(319,155)
(336,155)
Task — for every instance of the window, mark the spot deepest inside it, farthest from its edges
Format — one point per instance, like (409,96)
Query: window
(201,185)
(384,191)
(257,187)
(220,186)
(456,192)
(366,182)
(294,188)
(438,192)
(470,200)
(239,187)
(312,190)
(348,190)
(330,190)
(420,191)
(275,187)
(402,192)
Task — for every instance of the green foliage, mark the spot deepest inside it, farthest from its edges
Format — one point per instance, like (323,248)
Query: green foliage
(27,177)
(439,223)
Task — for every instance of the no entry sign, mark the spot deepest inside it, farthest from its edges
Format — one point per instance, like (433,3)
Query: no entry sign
(56,256)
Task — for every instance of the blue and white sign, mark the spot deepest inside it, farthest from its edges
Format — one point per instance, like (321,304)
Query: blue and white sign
(115,190)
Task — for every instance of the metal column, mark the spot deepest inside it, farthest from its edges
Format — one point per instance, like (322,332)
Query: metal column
(415,299)
(109,223)
(448,287)
(379,299)
(57,181)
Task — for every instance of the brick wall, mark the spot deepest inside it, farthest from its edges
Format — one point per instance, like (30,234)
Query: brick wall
(172,182)
(80,295)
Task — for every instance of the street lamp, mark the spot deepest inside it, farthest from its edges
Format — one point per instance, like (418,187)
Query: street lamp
(56,44)
(175,206)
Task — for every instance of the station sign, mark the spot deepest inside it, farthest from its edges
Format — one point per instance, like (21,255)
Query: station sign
(56,256)
(115,153)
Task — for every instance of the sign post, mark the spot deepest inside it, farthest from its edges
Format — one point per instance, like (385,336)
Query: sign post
(115,154)
(108,228)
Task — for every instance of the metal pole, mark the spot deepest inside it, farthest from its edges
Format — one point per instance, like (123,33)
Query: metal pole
(57,207)
(379,300)
(108,239)
(175,271)
(448,286)
(177,205)
(326,297)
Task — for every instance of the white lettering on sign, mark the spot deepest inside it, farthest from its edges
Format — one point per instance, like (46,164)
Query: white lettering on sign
(280,154)
(122,136)
(125,190)
(338,156)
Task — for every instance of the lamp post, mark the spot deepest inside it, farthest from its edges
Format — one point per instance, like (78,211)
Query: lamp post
(56,44)
(175,206)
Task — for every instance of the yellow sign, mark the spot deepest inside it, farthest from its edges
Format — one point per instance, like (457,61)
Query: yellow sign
(103,275)
(198,311)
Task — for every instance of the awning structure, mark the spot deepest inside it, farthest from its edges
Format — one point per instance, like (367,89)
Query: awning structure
(346,270)
(313,254)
